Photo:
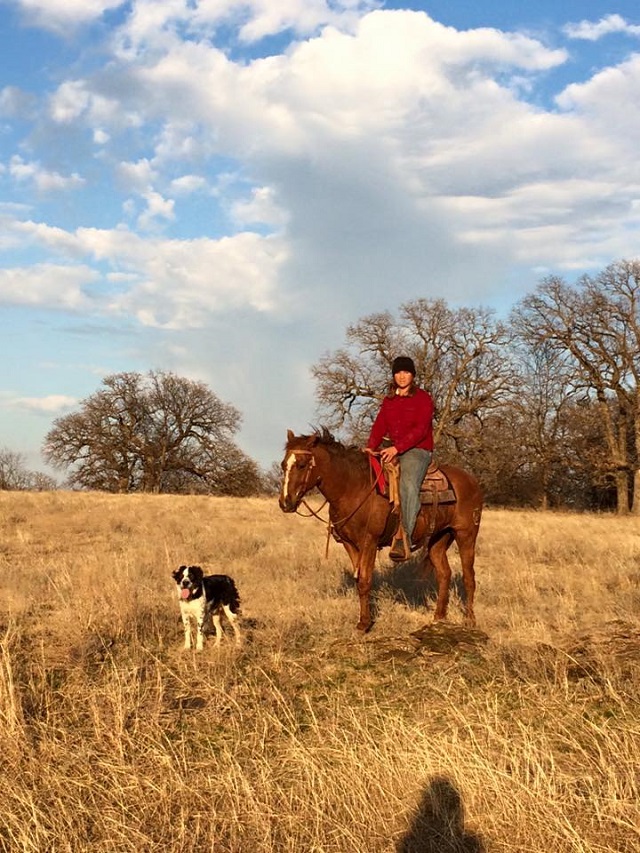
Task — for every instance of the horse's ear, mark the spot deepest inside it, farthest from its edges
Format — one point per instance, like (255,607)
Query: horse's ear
(289,435)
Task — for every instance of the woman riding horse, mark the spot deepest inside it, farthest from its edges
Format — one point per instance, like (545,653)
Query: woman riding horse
(361,518)
(406,419)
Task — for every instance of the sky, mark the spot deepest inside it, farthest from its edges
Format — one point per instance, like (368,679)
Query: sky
(218,188)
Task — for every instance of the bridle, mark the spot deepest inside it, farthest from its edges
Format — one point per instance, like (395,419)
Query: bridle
(331,525)
(307,474)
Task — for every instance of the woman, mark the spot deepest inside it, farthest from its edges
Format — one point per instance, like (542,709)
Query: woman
(406,419)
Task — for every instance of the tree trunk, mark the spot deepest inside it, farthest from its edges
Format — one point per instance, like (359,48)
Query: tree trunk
(635,506)
(622,491)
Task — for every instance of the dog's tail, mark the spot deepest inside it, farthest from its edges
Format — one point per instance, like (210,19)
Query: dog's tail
(234,595)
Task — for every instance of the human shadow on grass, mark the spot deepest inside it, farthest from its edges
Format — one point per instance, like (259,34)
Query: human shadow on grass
(438,824)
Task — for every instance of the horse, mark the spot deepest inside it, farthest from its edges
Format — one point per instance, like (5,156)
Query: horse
(363,520)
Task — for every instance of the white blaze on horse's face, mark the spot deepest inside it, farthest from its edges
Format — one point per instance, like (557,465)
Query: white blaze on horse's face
(297,467)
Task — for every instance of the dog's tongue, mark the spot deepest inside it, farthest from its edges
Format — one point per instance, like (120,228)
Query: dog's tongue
(184,593)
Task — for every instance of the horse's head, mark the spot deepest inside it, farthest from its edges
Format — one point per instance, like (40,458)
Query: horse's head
(299,468)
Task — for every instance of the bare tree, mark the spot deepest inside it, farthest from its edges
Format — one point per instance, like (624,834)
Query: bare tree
(461,357)
(597,324)
(541,407)
(15,476)
(155,432)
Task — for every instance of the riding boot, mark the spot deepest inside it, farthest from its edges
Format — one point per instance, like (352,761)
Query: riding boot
(398,551)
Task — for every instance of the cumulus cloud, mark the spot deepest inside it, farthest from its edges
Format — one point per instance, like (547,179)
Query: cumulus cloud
(593,31)
(42,179)
(157,210)
(59,15)
(260,208)
(393,128)
(186,184)
(253,20)
(60,288)
(138,176)
(609,112)
(177,284)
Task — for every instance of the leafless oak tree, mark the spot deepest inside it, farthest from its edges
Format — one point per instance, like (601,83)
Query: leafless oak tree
(461,357)
(152,433)
(597,323)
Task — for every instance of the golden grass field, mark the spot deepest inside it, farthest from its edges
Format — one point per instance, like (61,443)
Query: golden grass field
(522,736)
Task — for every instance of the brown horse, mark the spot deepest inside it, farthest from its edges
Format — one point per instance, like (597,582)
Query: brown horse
(363,521)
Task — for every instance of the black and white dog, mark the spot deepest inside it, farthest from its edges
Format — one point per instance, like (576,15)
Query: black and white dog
(203,596)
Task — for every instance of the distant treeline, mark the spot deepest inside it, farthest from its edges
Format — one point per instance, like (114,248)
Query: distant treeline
(542,406)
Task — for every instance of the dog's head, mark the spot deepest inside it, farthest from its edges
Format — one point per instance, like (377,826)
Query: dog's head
(189,581)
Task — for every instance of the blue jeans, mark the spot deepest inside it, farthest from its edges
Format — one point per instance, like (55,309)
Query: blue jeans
(413,467)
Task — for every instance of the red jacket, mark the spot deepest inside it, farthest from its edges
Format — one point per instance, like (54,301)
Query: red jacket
(407,421)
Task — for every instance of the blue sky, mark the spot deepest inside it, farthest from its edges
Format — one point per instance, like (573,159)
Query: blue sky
(219,187)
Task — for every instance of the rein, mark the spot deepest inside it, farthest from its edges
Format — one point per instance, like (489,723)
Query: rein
(331,525)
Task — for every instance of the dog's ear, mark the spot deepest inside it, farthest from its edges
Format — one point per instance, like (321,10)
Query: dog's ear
(196,572)
(176,573)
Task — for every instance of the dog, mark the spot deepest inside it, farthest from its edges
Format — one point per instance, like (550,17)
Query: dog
(203,597)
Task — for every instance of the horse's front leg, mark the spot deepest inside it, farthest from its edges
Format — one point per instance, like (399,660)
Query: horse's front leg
(363,562)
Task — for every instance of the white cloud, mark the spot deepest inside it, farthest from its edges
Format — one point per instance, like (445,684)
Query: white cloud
(157,210)
(184,284)
(70,100)
(186,184)
(609,109)
(253,20)
(138,176)
(60,288)
(593,31)
(60,15)
(43,180)
(376,129)
(53,404)
(260,208)
(265,18)
(178,284)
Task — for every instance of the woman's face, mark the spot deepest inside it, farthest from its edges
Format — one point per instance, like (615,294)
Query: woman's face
(403,379)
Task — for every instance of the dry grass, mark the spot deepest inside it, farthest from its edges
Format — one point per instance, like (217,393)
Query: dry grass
(522,736)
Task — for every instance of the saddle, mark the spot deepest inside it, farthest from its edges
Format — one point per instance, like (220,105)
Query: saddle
(435,488)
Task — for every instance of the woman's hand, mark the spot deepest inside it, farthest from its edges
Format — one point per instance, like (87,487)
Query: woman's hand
(388,454)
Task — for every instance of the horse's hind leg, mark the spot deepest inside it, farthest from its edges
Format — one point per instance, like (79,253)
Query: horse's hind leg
(438,557)
(466,542)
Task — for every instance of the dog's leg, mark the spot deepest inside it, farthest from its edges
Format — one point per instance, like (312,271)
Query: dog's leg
(186,622)
(202,618)
(217,626)
(233,619)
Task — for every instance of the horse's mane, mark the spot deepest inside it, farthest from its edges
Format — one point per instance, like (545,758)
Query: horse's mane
(352,453)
